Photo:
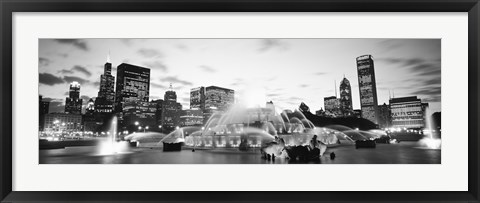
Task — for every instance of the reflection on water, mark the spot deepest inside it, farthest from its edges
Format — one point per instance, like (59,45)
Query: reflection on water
(402,153)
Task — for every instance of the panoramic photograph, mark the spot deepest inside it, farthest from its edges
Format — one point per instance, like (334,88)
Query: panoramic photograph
(239,101)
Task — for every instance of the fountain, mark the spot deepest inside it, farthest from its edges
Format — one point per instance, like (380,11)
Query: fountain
(429,140)
(244,128)
(111,145)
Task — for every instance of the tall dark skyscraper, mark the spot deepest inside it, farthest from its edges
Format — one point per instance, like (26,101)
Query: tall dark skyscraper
(346,97)
(368,88)
(133,84)
(43,107)
(73,103)
(171,110)
(106,94)
(197,98)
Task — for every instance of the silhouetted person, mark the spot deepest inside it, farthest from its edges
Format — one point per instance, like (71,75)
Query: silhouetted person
(332,156)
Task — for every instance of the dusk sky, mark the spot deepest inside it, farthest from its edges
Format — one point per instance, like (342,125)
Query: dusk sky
(285,71)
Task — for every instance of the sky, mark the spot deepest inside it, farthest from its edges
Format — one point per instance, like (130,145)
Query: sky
(285,71)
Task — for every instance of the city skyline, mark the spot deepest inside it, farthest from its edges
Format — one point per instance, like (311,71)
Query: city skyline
(285,71)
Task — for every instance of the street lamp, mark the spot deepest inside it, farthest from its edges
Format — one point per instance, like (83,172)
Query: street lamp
(136,123)
(146,128)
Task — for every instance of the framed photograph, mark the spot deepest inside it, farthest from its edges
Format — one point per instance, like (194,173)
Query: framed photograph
(262,101)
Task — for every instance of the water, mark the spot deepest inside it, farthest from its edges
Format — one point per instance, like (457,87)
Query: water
(402,153)
(430,141)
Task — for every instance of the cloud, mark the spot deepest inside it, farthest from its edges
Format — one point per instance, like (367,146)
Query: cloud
(402,61)
(182,47)
(49,99)
(82,70)
(320,73)
(56,105)
(156,65)
(269,44)
(434,81)
(389,44)
(43,61)
(70,79)
(432,99)
(149,53)
(431,92)
(273,94)
(156,85)
(176,80)
(75,68)
(417,66)
(85,99)
(304,85)
(295,98)
(65,71)
(207,69)
(49,79)
(81,44)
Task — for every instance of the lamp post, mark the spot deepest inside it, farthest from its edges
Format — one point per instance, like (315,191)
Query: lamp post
(146,128)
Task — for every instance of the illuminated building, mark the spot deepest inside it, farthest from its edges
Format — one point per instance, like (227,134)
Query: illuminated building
(408,112)
(219,98)
(368,88)
(171,110)
(139,111)
(346,97)
(73,103)
(43,107)
(133,84)
(63,122)
(332,106)
(158,112)
(211,99)
(89,122)
(106,94)
(197,98)
(385,116)
(191,117)
(90,109)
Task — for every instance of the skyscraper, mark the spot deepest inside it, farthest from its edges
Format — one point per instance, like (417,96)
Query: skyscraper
(346,97)
(408,112)
(197,98)
(106,94)
(171,110)
(133,84)
(88,120)
(332,106)
(218,98)
(90,109)
(43,107)
(73,103)
(368,88)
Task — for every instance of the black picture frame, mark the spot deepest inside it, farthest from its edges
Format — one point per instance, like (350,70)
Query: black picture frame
(8,7)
